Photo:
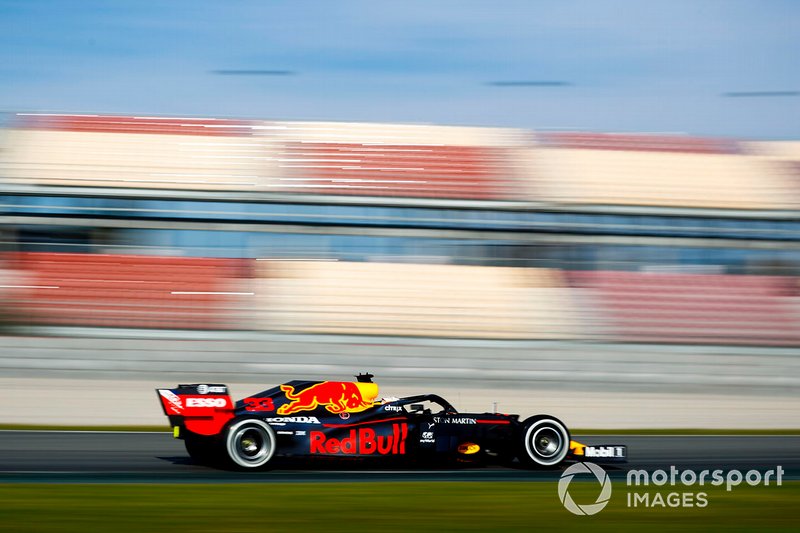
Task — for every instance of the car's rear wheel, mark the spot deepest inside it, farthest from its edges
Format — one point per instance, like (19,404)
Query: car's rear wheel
(545,441)
(250,444)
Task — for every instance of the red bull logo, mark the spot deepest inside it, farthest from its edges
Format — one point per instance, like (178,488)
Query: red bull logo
(363,441)
(337,397)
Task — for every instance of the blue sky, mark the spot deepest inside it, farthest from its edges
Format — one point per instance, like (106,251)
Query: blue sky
(628,65)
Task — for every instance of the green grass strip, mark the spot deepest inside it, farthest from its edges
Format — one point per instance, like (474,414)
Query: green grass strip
(384,507)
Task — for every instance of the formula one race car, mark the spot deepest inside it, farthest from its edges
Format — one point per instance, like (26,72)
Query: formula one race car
(344,419)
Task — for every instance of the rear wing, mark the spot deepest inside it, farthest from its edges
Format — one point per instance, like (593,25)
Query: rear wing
(203,409)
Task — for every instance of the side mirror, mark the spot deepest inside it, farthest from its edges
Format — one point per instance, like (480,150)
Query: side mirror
(417,407)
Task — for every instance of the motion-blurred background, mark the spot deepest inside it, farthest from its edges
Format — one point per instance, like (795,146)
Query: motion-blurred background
(423,253)
(615,279)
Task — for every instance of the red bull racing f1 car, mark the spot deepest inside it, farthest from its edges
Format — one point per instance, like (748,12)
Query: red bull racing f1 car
(309,419)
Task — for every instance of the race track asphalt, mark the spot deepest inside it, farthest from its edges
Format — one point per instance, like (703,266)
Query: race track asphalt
(137,457)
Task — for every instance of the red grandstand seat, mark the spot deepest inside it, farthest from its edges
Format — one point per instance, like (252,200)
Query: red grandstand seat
(125,290)
(694,308)
(427,171)
(123,124)
(639,142)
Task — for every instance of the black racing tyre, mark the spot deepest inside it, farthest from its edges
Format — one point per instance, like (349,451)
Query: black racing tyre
(202,450)
(250,444)
(545,441)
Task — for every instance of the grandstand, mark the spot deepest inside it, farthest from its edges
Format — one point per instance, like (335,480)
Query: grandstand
(125,290)
(415,299)
(405,161)
(694,308)
(133,152)
(648,175)
(394,229)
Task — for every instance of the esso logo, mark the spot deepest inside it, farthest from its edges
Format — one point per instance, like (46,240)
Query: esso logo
(206,402)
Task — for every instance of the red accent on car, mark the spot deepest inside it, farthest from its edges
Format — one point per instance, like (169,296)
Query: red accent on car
(363,441)
(203,414)
(258,404)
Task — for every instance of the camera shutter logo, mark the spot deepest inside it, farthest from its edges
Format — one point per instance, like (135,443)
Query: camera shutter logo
(602,498)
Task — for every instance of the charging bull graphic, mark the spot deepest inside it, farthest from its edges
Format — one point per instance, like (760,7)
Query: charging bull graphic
(337,397)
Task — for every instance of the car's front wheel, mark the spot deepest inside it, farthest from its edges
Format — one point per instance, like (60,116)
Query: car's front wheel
(545,441)
(250,443)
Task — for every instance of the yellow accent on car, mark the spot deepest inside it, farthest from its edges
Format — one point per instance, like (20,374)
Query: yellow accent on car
(468,448)
(576,447)
(176,432)
(369,391)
